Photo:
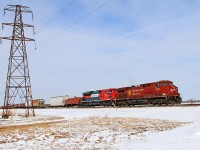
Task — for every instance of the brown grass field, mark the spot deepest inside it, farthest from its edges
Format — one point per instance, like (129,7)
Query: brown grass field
(90,133)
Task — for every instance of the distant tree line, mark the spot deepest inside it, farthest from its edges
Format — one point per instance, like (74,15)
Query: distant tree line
(191,101)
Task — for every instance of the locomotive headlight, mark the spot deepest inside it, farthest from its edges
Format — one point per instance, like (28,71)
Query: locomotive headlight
(163,94)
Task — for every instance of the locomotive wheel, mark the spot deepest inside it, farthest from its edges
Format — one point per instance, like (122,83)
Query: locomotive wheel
(113,104)
(172,102)
(119,104)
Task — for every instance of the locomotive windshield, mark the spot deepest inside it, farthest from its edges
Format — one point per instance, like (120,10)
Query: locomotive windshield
(167,83)
(163,83)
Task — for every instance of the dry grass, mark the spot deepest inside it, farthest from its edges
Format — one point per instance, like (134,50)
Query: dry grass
(87,133)
(22,128)
(12,112)
(10,128)
(9,113)
(25,115)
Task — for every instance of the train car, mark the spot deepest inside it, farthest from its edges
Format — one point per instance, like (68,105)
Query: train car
(91,98)
(38,103)
(133,95)
(58,101)
(46,106)
(22,105)
(13,106)
(161,92)
(107,96)
(103,97)
(122,93)
(71,102)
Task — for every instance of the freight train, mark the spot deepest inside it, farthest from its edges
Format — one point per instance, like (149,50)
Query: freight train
(163,92)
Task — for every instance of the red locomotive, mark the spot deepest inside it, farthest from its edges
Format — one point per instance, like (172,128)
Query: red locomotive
(154,93)
(161,92)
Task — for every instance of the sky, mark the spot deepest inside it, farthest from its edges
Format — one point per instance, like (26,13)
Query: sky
(88,45)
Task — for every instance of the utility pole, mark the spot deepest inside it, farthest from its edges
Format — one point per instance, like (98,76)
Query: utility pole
(18,85)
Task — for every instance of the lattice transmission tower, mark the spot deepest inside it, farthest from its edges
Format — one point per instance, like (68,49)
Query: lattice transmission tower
(18,85)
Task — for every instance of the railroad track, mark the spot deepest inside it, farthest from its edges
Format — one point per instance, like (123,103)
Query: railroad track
(136,106)
(142,106)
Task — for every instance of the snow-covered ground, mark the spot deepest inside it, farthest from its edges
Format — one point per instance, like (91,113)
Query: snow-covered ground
(167,113)
(91,128)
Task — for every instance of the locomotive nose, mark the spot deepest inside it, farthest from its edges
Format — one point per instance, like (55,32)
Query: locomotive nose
(174,89)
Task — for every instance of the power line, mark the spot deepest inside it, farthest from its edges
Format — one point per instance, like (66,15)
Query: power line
(76,22)
(28,2)
(39,11)
(54,17)
(44,26)
(3,3)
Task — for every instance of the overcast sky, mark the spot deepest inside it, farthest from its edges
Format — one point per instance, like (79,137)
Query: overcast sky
(95,44)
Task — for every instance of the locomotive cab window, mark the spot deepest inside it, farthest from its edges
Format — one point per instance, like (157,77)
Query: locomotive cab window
(157,85)
(167,83)
(145,85)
